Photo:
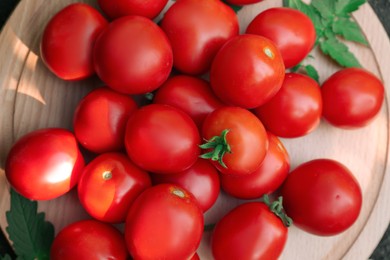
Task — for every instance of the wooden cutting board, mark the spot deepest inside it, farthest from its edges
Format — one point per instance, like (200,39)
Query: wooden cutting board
(31,98)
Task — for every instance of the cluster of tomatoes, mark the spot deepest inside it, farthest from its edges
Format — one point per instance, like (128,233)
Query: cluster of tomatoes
(221,100)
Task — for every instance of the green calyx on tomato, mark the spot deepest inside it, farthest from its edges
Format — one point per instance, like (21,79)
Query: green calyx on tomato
(277,208)
(218,146)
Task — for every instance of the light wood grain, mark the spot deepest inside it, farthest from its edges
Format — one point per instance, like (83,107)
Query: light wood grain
(31,97)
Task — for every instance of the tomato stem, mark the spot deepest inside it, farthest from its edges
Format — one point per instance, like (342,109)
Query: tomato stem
(277,208)
(218,146)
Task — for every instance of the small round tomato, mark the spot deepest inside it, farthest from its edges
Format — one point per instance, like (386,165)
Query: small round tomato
(236,140)
(197,29)
(201,179)
(44,164)
(118,8)
(247,71)
(164,222)
(190,94)
(162,139)
(269,177)
(89,239)
(352,97)
(68,40)
(109,185)
(322,197)
(249,231)
(291,30)
(133,55)
(99,121)
(295,110)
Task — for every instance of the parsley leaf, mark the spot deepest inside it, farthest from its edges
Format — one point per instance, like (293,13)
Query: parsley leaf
(343,7)
(324,7)
(235,8)
(312,72)
(349,30)
(30,233)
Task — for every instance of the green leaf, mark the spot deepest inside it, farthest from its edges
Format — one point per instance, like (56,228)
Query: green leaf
(312,72)
(344,7)
(6,257)
(235,8)
(339,52)
(349,30)
(30,233)
(324,7)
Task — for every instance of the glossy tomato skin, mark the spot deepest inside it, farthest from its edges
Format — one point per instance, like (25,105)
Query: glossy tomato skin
(352,98)
(201,179)
(247,139)
(89,239)
(295,110)
(118,8)
(162,139)
(68,39)
(165,222)
(249,231)
(267,179)
(44,164)
(100,118)
(247,71)
(133,55)
(109,185)
(191,94)
(322,197)
(197,29)
(291,30)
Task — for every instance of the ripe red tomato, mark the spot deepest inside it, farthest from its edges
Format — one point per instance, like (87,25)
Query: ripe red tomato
(247,71)
(352,98)
(249,231)
(100,119)
(68,39)
(164,222)
(269,177)
(322,197)
(44,164)
(197,29)
(201,179)
(244,147)
(89,239)
(133,55)
(162,139)
(190,94)
(295,110)
(109,185)
(118,8)
(291,30)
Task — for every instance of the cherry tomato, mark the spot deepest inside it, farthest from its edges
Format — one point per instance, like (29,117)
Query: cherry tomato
(201,179)
(249,231)
(197,29)
(322,197)
(44,164)
(269,177)
(352,98)
(162,139)
(109,185)
(68,39)
(89,239)
(295,110)
(164,222)
(118,8)
(241,143)
(100,119)
(291,30)
(133,55)
(190,94)
(247,71)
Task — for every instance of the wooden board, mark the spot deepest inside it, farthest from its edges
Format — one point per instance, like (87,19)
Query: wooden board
(31,98)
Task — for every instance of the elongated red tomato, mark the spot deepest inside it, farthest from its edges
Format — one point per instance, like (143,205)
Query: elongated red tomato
(44,164)
(197,29)
(133,55)
(237,141)
(247,71)
(118,8)
(109,185)
(68,40)
(165,222)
